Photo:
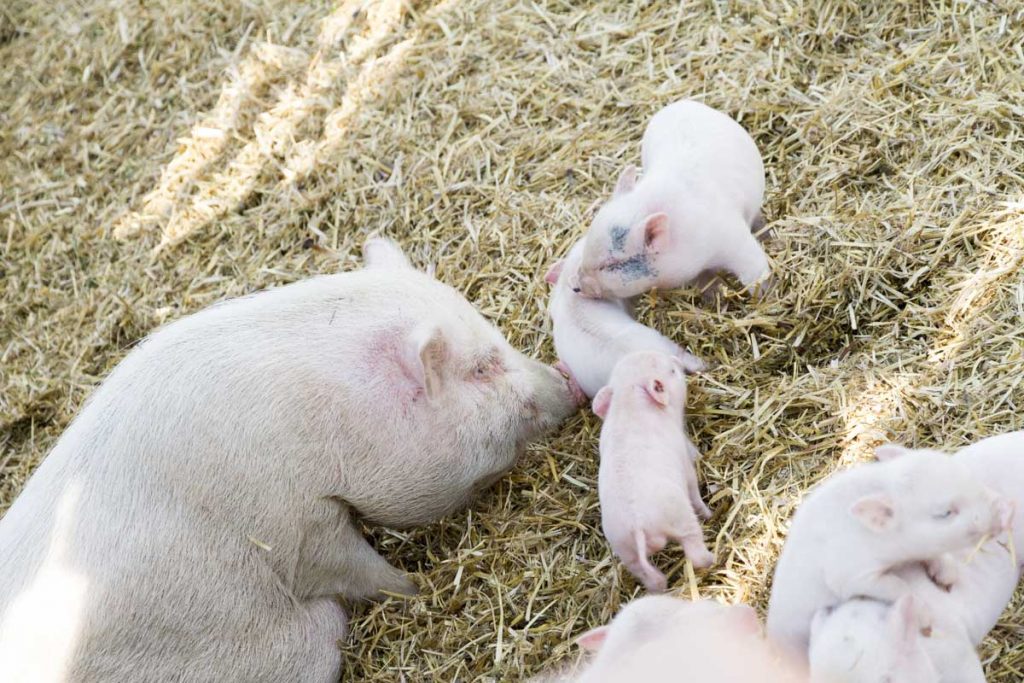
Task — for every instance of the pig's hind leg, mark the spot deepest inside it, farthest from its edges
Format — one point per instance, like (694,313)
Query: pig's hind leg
(638,564)
(691,537)
(748,262)
(689,458)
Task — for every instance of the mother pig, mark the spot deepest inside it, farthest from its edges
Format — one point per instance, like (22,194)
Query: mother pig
(197,519)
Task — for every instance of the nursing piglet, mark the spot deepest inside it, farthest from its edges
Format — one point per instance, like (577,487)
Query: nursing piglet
(854,529)
(691,215)
(647,482)
(592,335)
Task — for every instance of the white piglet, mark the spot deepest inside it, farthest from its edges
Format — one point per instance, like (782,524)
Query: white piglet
(858,526)
(691,215)
(648,482)
(592,335)
(961,614)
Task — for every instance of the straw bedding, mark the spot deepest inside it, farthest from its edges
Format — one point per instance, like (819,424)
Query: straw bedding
(157,157)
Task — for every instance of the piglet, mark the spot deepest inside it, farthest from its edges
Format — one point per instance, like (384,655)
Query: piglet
(865,640)
(961,614)
(691,215)
(661,639)
(857,527)
(592,335)
(648,482)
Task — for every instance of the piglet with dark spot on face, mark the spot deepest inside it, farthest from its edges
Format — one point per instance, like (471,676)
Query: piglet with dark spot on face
(592,335)
(648,482)
(689,217)
(198,518)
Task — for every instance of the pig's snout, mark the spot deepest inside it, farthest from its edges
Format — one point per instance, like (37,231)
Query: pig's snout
(552,398)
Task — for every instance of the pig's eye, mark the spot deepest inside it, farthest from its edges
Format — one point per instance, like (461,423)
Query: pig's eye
(948,513)
(658,386)
(482,371)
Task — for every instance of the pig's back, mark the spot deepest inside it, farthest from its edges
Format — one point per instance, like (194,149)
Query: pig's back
(705,153)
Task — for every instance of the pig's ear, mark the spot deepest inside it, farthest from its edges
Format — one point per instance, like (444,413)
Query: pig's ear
(551,277)
(876,511)
(602,400)
(381,252)
(889,451)
(655,389)
(656,236)
(903,621)
(627,180)
(425,353)
(592,640)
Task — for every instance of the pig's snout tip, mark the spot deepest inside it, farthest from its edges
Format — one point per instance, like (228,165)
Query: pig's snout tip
(578,397)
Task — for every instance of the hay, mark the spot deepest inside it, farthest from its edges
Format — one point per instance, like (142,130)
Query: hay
(256,144)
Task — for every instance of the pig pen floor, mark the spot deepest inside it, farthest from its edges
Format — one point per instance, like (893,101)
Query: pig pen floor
(158,157)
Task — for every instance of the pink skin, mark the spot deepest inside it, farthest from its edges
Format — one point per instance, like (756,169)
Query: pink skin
(648,482)
(656,637)
(592,335)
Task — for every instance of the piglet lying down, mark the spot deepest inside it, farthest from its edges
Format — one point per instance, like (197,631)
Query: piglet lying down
(660,639)
(196,520)
(647,482)
(956,616)
(854,530)
(592,335)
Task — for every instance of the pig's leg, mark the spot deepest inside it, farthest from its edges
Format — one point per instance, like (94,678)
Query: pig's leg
(748,262)
(692,487)
(689,535)
(380,252)
(640,566)
(944,571)
(335,559)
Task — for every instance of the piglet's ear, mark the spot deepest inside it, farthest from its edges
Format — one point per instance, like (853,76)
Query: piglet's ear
(551,277)
(627,179)
(655,389)
(425,353)
(592,640)
(602,401)
(889,451)
(876,511)
(656,237)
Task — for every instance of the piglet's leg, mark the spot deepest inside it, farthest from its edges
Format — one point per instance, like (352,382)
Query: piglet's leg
(640,566)
(691,537)
(944,571)
(747,261)
(692,487)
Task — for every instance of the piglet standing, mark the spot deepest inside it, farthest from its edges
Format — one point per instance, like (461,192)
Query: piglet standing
(691,215)
(592,335)
(648,482)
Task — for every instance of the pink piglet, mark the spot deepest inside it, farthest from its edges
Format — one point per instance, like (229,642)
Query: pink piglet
(648,482)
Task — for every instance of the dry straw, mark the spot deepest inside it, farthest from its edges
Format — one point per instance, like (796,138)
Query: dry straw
(158,157)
